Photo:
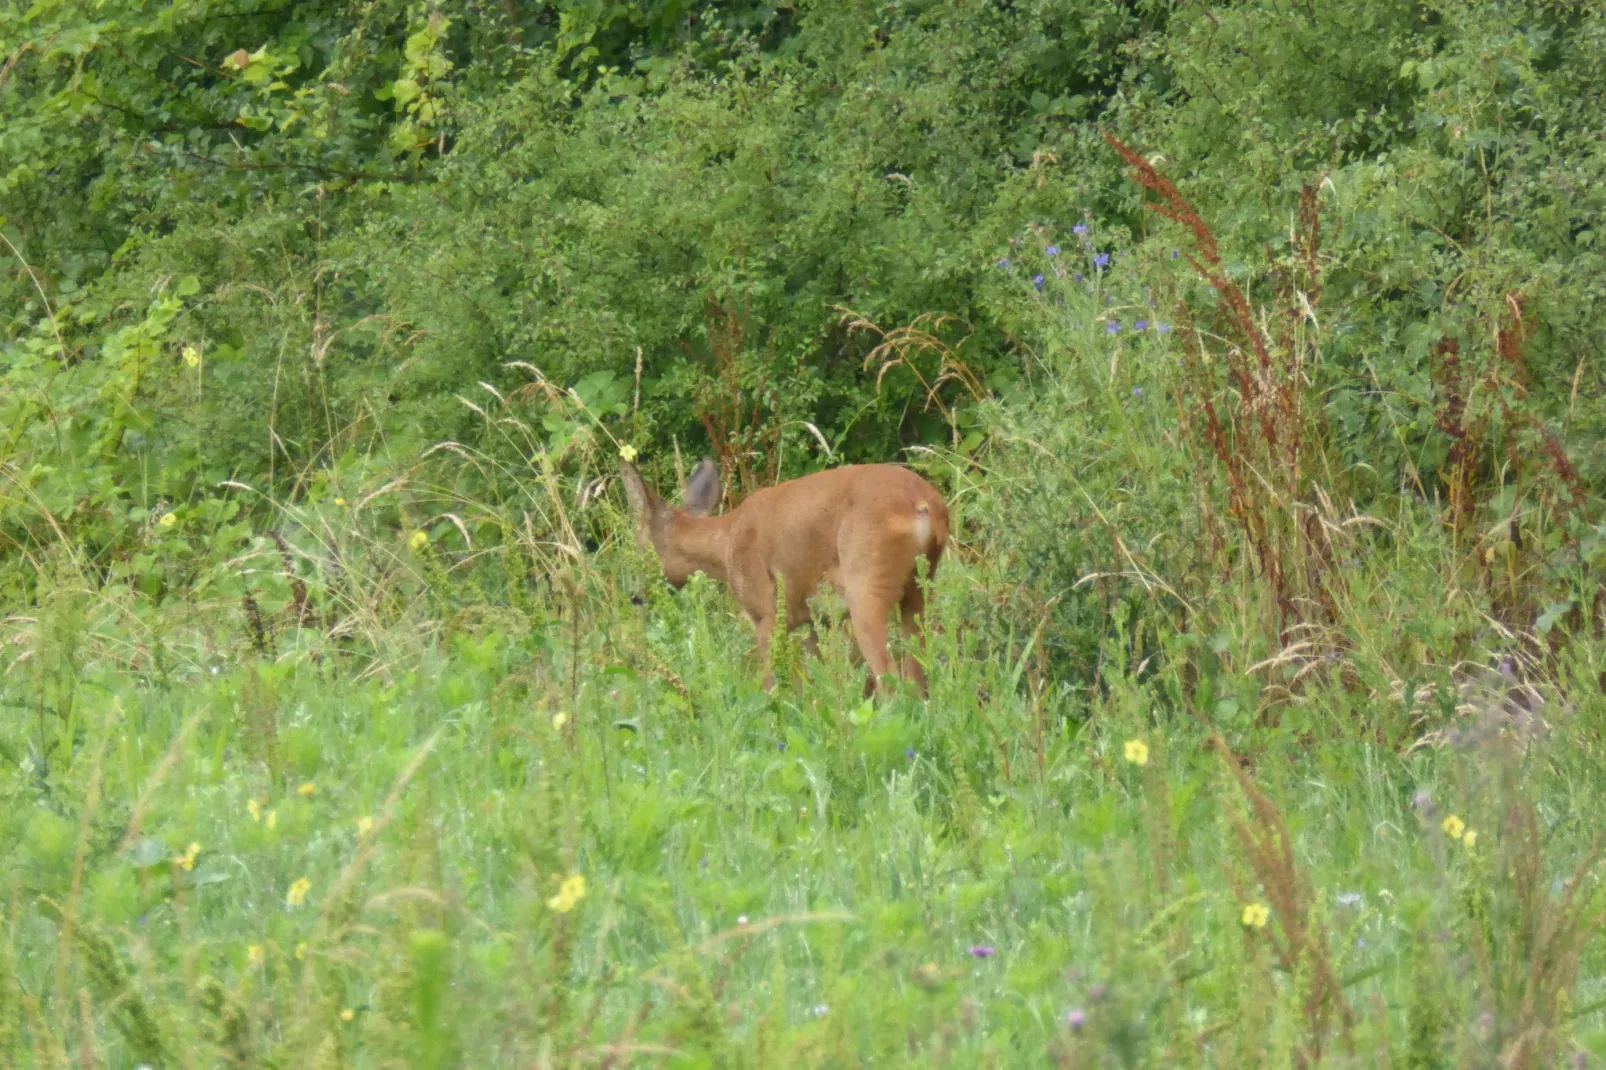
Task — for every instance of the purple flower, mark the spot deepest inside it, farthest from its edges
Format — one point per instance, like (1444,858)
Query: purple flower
(1003,265)
(1080,229)
(1137,392)
(1141,325)
(1102,260)
(1037,281)
(910,754)
(1163,328)
(982,951)
(1113,327)
(1078,278)
(1175,254)
(1052,250)
(1076,1018)
(781,747)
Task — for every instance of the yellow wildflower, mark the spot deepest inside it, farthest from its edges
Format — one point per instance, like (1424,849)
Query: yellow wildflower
(253,954)
(627,453)
(301,952)
(186,861)
(418,541)
(1470,838)
(340,502)
(307,790)
(570,892)
(273,819)
(365,825)
(298,892)
(559,719)
(168,520)
(253,808)
(1137,752)
(1453,827)
(1256,915)
(192,356)
(347,1015)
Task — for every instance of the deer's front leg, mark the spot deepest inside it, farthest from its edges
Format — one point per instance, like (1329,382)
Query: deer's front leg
(755,590)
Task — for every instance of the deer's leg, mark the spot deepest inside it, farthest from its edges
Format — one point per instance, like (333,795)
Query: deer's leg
(755,590)
(912,612)
(798,615)
(765,627)
(869,609)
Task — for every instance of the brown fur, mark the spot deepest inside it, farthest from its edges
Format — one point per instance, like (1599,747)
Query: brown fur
(860,528)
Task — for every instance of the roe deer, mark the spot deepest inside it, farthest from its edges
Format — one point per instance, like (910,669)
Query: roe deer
(859,528)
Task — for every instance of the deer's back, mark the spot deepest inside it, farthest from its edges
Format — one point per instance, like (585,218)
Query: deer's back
(804,518)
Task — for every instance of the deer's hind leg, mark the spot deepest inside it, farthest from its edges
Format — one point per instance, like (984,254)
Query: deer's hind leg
(912,614)
(868,609)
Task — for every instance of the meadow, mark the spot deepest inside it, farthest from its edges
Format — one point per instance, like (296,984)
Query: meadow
(1255,349)
(411,801)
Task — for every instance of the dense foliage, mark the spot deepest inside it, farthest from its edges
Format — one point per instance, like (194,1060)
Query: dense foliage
(1255,344)
(352,215)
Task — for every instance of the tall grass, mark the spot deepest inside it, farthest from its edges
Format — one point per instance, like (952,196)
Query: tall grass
(437,774)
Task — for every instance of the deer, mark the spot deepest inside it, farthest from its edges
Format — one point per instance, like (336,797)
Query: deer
(860,528)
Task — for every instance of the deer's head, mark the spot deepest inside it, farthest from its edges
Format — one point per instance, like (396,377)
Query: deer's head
(657,519)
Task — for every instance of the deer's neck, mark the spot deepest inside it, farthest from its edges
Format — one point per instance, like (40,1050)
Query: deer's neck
(703,542)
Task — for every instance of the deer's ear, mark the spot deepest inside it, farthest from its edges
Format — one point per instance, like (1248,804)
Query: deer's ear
(636,489)
(703,492)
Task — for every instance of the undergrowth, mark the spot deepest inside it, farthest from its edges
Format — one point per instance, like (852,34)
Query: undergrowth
(1218,768)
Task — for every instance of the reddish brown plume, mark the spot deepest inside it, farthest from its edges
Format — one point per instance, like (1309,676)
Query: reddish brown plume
(861,529)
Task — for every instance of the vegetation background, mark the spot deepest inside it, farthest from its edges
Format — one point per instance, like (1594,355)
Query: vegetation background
(1256,345)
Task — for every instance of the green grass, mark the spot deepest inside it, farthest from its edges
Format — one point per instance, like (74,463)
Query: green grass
(791,879)
(368,789)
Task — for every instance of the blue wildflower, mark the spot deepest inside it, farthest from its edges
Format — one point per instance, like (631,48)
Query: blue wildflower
(1079,230)
(1175,254)
(1003,265)
(1078,277)
(1163,328)
(1037,281)
(1052,250)
(1113,327)
(1102,260)
(1141,325)
(1137,392)
(910,754)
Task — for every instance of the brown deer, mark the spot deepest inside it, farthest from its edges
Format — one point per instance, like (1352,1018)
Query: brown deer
(860,529)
